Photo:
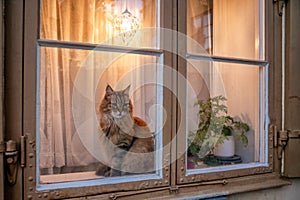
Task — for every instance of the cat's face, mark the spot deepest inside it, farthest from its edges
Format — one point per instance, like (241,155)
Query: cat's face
(119,102)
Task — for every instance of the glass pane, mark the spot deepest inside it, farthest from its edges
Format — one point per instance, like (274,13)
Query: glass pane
(116,22)
(97,115)
(225,115)
(224,28)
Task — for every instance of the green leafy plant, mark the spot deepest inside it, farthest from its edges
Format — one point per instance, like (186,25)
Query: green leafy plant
(215,125)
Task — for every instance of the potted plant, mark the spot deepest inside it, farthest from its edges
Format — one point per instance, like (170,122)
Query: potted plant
(215,128)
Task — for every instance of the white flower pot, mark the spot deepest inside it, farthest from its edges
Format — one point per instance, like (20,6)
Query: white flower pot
(226,149)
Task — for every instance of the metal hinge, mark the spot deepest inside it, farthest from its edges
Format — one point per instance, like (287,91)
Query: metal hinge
(281,139)
(174,188)
(11,156)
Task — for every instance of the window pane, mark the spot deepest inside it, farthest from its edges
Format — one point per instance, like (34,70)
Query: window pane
(116,22)
(224,28)
(89,130)
(225,114)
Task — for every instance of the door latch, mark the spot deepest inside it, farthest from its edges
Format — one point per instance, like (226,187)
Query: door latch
(11,159)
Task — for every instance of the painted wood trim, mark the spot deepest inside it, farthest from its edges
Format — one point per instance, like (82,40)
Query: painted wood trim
(13,70)
(1,101)
(98,47)
(202,190)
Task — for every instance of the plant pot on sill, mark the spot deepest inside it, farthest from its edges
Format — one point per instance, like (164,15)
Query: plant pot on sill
(226,149)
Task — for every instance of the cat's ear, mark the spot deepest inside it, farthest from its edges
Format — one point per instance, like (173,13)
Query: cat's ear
(109,90)
(126,91)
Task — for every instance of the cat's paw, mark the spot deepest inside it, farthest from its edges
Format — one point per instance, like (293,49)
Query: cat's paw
(107,173)
(115,172)
(102,170)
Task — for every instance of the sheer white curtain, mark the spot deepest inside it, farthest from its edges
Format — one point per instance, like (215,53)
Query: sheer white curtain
(58,137)
(83,21)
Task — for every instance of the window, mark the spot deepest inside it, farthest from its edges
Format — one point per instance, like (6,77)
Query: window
(225,70)
(86,49)
(70,137)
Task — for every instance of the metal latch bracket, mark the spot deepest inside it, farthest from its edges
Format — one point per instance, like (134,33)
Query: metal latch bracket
(280,5)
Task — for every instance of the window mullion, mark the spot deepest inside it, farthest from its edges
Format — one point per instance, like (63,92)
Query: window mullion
(98,47)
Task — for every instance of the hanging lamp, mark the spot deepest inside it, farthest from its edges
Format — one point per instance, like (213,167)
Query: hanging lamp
(126,25)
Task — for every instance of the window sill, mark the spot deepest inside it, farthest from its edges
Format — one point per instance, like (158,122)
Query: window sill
(235,186)
(205,189)
(58,178)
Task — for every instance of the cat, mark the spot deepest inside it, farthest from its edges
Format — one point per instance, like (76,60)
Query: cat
(133,142)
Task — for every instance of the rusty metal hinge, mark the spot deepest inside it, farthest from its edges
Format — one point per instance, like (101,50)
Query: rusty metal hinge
(11,158)
(282,142)
(11,161)
(281,138)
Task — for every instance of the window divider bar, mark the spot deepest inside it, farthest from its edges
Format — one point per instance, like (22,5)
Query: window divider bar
(226,59)
(98,47)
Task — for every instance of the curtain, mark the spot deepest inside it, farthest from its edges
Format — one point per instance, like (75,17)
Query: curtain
(87,21)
